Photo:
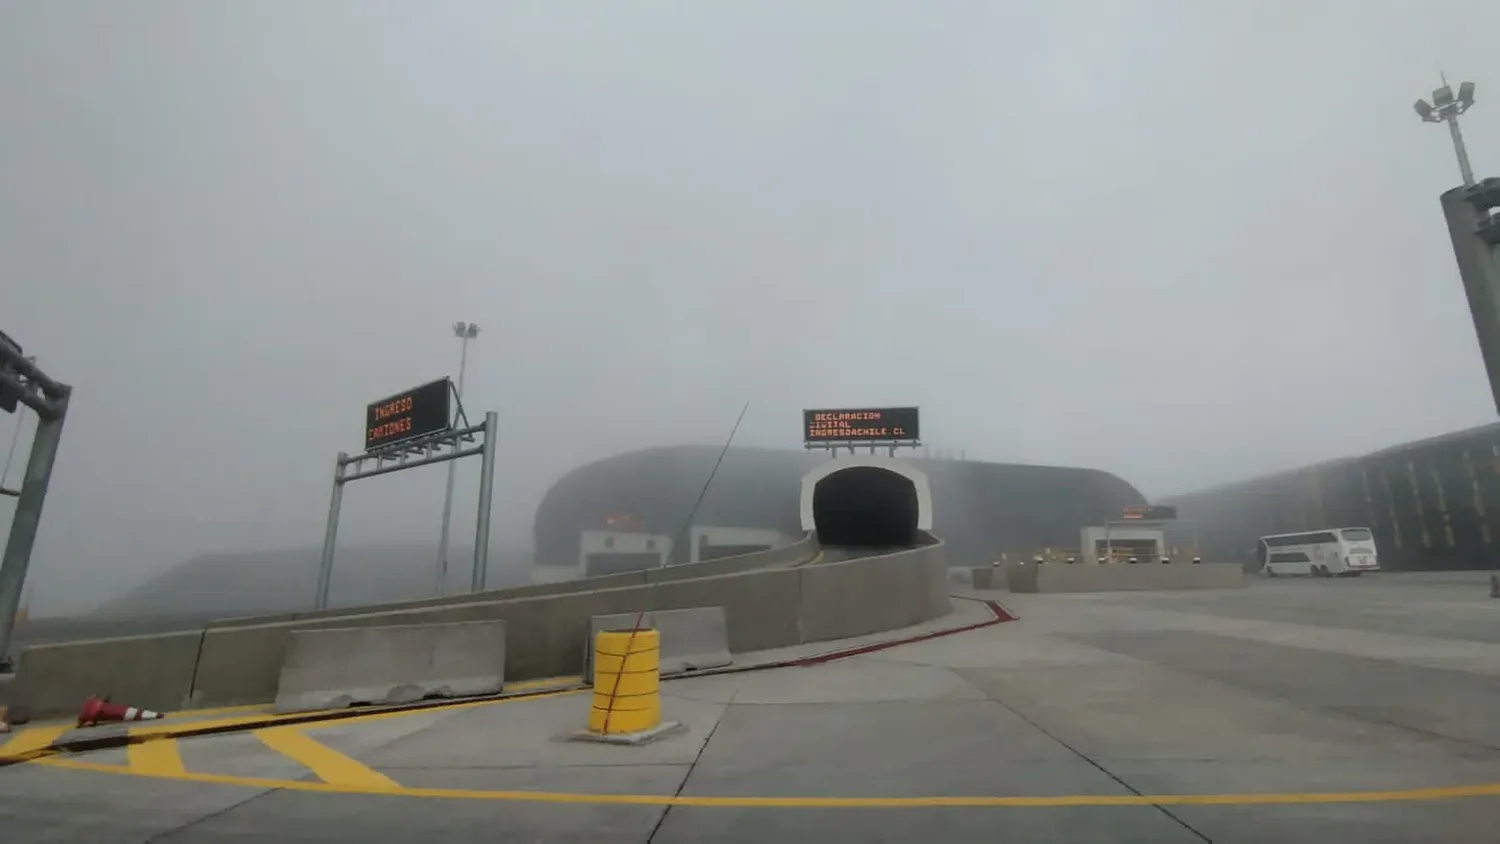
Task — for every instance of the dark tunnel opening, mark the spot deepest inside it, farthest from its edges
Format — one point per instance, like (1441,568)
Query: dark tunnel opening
(866,506)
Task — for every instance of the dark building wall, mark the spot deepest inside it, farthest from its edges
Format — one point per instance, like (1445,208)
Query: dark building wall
(979,509)
(1432,504)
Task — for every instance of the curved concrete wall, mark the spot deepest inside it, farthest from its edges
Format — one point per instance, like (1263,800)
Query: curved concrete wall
(917,477)
(770,606)
(797,552)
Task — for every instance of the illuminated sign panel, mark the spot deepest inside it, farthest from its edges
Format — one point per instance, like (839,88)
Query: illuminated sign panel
(868,424)
(417,412)
(1148,513)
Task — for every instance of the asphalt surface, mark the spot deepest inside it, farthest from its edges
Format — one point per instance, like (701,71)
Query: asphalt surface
(1291,711)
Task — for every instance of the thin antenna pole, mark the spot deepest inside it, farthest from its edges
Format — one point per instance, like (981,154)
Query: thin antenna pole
(687,525)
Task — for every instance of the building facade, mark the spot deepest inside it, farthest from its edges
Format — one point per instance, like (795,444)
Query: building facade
(1432,504)
(979,509)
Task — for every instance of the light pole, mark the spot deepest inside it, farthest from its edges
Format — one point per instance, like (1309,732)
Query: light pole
(464,331)
(1446,108)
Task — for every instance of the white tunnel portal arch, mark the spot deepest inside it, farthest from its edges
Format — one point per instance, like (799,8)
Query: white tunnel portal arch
(917,478)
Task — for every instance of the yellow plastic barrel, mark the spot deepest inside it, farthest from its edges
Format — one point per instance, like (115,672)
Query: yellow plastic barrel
(627,682)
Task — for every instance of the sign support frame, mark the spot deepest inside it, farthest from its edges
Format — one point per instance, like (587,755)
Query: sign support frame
(440,447)
(834,446)
(48,399)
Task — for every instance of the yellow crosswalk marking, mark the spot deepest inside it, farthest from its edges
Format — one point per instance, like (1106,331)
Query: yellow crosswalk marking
(328,764)
(158,756)
(30,740)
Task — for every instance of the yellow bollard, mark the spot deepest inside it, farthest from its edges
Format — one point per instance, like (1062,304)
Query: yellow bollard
(627,682)
(626,708)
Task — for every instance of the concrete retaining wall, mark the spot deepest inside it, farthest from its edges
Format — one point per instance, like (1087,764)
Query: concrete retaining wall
(803,549)
(1116,577)
(545,634)
(332,669)
(691,639)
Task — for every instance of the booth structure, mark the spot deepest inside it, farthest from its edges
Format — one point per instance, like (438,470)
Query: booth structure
(1119,542)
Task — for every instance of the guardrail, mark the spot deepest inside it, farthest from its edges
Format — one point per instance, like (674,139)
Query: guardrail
(774,605)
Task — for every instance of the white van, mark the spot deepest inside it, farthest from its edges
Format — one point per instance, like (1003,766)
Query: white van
(1322,553)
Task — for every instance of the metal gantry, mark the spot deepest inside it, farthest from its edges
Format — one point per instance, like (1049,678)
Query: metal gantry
(23,383)
(422,451)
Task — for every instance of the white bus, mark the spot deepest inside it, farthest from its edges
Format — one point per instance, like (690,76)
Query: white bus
(1320,553)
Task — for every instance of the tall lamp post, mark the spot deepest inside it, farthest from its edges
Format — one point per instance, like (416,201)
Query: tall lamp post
(1445,108)
(464,331)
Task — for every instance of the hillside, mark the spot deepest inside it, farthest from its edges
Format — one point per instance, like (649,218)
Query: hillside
(247,583)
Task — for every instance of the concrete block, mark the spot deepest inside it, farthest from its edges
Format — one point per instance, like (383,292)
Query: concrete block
(691,639)
(329,668)
(150,672)
(988,577)
(760,607)
(1123,577)
(240,665)
(1022,577)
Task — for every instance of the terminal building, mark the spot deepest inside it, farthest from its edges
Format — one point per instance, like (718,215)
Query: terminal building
(1431,504)
(640,504)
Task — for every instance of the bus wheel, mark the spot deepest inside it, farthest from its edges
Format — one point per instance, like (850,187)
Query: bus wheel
(1322,571)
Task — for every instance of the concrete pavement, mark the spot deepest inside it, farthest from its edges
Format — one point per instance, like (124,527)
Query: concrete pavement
(1290,711)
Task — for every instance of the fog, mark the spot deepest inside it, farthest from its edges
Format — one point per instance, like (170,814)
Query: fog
(1185,242)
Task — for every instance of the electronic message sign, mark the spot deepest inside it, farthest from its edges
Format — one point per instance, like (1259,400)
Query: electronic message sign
(866,424)
(417,412)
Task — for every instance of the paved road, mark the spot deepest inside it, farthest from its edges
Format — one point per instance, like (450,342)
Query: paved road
(1292,711)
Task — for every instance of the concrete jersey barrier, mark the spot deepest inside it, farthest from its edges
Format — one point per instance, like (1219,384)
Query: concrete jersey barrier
(150,672)
(334,668)
(691,639)
(764,608)
(1121,577)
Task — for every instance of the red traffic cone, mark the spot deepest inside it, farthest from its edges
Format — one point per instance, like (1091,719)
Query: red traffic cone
(97,710)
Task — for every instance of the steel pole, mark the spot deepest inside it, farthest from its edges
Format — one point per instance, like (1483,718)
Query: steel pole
(1461,151)
(442,561)
(486,501)
(331,533)
(28,515)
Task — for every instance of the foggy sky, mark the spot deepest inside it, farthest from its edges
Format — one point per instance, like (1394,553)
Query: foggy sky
(1184,242)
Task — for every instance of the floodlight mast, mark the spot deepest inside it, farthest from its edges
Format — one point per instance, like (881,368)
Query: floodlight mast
(1445,108)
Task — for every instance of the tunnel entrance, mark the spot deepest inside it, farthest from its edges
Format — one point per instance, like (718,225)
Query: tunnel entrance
(866,506)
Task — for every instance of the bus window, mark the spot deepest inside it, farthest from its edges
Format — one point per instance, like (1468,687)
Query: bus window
(1357,535)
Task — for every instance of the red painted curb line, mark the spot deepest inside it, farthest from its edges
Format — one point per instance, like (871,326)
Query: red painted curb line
(1001,614)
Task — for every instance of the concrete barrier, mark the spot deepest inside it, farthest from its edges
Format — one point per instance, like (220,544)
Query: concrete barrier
(871,594)
(691,639)
(765,607)
(987,577)
(150,672)
(1119,577)
(799,551)
(334,668)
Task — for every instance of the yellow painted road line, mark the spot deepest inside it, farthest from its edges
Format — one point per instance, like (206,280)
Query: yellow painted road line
(331,766)
(157,757)
(31,740)
(1062,800)
(263,708)
(456,707)
(545,683)
(814,560)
